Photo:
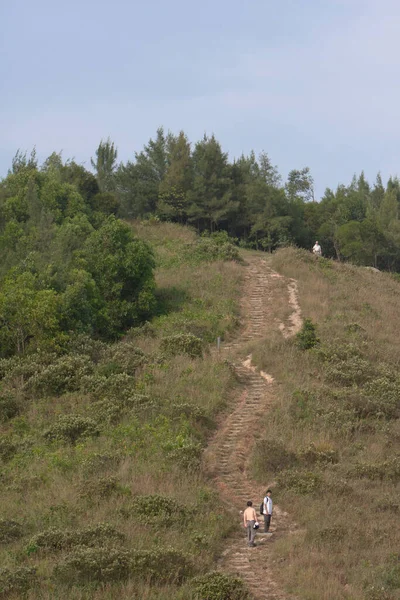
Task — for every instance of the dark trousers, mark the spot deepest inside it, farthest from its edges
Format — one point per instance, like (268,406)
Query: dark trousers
(251,533)
(267,522)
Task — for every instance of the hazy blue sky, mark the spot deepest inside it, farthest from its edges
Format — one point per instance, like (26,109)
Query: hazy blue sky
(311,82)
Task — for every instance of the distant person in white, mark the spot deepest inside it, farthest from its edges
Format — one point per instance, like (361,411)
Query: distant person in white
(317,249)
(267,512)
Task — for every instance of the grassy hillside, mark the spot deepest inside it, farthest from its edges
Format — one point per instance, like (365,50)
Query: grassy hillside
(102,495)
(332,442)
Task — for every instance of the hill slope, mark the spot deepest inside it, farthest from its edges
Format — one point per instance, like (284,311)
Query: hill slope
(332,439)
(102,495)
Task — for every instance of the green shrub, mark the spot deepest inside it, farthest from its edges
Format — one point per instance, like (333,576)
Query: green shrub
(300,482)
(380,398)
(119,385)
(101,565)
(58,539)
(25,367)
(216,246)
(111,410)
(71,428)
(307,336)
(9,406)
(10,531)
(187,456)
(83,344)
(352,371)
(219,586)
(319,454)
(97,565)
(161,565)
(63,375)
(388,470)
(126,356)
(16,580)
(183,343)
(158,509)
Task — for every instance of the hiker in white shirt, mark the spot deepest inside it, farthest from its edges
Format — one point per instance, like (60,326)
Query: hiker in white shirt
(267,510)
(317,250)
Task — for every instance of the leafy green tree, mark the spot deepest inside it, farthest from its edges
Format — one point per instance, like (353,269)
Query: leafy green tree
(82,305)
(28,314)
(122,268)
(300,185)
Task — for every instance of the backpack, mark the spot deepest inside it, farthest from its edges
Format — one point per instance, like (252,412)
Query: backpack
(262,508)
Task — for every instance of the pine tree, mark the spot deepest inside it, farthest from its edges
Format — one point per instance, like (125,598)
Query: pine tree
(105,165)
(178,179)
(211,196)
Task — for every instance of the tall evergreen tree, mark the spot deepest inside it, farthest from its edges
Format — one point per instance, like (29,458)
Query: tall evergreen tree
(211,197)
(178,178)
(105,165)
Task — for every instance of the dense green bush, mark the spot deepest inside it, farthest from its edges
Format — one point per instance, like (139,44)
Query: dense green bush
(71,428)
(10,531)
(300,482)
(183,343)
(307,336)
(187,456)
(84,345)
(158,510)
(161,565)
(111,410)
(53,539)
(126,357)
(354,370)
(97,565)
(219,586)
(120,385)
(16,580)
(64,375)
(100,565)
(216,246)
(21,368)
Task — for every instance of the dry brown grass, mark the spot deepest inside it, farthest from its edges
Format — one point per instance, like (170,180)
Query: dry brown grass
(348,542)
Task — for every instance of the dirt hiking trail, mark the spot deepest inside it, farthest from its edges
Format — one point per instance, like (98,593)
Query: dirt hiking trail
(231,448)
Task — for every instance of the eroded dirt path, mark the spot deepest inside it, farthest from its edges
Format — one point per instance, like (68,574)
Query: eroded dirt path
(229,452)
